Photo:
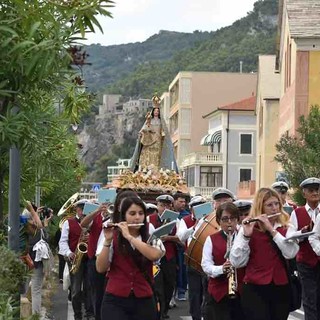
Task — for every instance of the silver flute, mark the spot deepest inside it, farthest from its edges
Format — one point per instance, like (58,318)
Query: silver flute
(256,219)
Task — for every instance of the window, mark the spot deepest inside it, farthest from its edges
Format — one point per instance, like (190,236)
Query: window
(246,143)
(210,176)
(190,176)
(245,175)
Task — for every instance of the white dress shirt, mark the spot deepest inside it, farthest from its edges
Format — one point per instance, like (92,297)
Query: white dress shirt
(314,240)
(207,262)
(64,248)
(183,232)
(293,226)
(240,251)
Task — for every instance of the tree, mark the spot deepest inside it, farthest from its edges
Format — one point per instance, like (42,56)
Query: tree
(39,69)
(299,155)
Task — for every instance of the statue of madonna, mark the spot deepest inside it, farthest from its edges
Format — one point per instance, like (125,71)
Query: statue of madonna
(154,146)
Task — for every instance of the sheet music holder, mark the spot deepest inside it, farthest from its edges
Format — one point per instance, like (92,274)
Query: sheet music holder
(89,207)
(162,231)
(202,210)
(107,195)
(169,215)
(300,236)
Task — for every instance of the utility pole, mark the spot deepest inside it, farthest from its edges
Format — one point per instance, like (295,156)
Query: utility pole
(14,208)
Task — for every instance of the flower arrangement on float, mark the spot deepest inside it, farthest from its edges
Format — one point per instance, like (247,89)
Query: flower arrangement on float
(150,179)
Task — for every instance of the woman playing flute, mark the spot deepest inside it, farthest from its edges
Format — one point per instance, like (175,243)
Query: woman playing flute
(261,247)
(129,258)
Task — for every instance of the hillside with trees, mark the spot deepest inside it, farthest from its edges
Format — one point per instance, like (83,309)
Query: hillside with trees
(111,63)
(221,50)
(243,41)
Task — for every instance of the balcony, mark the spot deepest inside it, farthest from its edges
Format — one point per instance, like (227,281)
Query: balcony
(201,158)
(246,189)
(206,192)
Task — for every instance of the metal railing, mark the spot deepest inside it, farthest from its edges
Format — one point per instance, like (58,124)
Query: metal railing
(202,158)
(206,192)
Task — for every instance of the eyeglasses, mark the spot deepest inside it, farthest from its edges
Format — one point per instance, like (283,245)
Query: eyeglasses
(227,219)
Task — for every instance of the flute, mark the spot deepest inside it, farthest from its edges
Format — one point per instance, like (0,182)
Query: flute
(256,219)
(111,225)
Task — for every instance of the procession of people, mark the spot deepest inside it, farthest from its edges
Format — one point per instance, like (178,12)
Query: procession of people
(232,259)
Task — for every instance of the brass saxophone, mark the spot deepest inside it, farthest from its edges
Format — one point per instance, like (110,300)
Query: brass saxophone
(232,274)
(81,250)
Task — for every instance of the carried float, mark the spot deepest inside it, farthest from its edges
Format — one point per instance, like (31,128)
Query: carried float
(154,170)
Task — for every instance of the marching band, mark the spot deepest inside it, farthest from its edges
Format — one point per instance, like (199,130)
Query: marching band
(236,256)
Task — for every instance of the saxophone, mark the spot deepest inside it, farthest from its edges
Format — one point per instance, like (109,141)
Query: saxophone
(232,274)
(81,250)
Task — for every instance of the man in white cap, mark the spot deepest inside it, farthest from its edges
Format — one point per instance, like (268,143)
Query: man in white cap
(308,263)
(186,228)
(282,188)
(222,195)
(70,236)
(244,207)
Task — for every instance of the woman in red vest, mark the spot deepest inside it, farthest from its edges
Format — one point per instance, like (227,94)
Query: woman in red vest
(261,247)
(129,259)
(216,265)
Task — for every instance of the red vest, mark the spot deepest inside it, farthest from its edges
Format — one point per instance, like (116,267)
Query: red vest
(74,233)
(190,222)
(170,246)
(218,287)
(305,254)
(265,265)
(124,275)
(94,235)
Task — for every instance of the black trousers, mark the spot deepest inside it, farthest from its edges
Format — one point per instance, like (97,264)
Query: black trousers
(79,291)
(62,263)
(206,310)
(226,309)
(96,287)
(129,308)
(265,302)
(169,271)
(195,293)
(310,282)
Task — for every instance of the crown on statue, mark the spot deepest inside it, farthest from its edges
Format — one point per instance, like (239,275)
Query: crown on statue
(156,100)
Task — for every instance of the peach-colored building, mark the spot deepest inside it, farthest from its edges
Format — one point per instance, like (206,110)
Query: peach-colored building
(194,94)
(267,111)
(299,60)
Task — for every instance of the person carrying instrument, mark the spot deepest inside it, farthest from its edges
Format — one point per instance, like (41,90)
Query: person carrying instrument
(71,235)
(185,230)
(166,279)
(224,281)
(97,281)
(129,259)
(302,220)
(261,246)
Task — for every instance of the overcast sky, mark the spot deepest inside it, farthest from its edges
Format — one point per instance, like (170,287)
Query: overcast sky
(137,20)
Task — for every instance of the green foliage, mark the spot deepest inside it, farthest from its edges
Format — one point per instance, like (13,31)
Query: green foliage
(12,270)
(221,51)
(299,154)
(37,74)
(111,63)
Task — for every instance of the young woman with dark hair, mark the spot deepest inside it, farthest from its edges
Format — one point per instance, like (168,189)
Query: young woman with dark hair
(129,259)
